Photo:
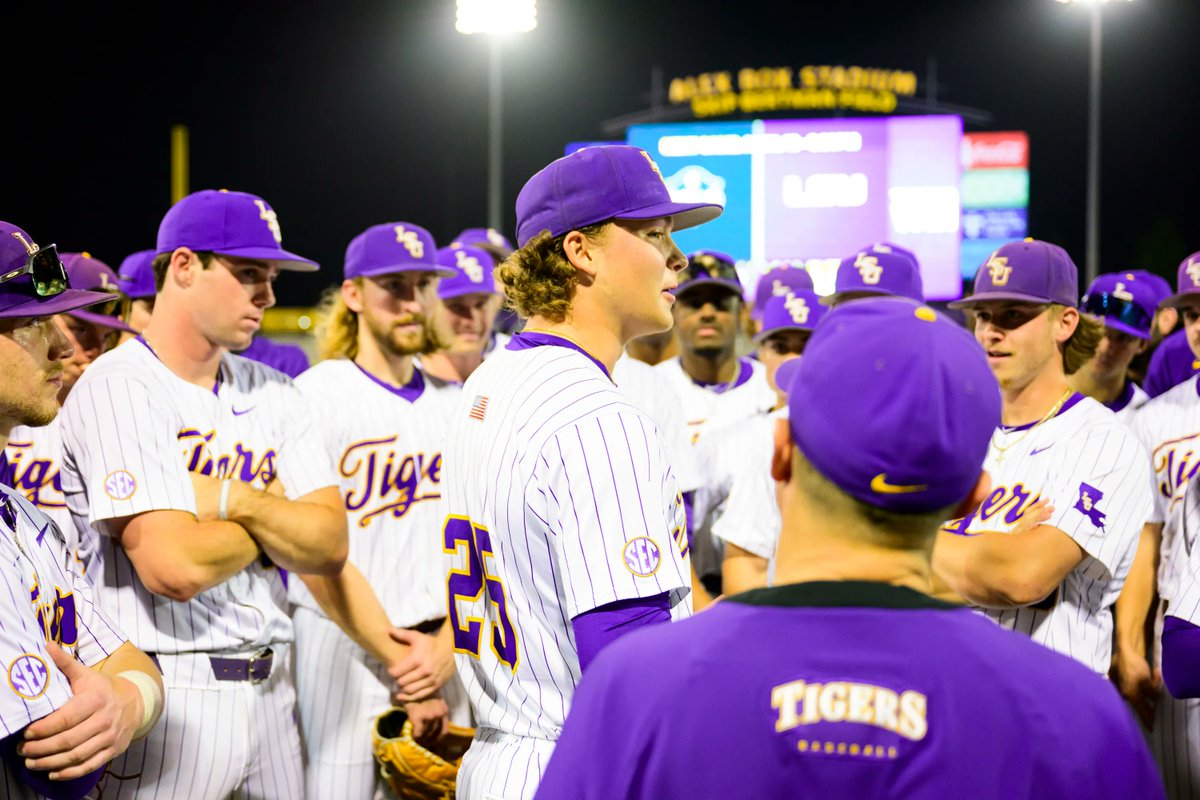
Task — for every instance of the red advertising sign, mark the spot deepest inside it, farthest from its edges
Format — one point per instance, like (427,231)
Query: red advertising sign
(995,150)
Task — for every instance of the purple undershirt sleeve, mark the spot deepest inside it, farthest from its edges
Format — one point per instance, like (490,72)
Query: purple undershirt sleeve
(1181,658)
(74,789)
(689,500)
(600,627)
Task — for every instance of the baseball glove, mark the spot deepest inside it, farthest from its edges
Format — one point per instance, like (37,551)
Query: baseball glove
(413,771)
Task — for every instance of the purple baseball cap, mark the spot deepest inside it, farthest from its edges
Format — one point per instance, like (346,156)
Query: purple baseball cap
(1029,271)
(230,223)
(1160,285)
(778,282)
(19,296)
(894,403)
(1188,280)
(1125,301)
(135,276)
(475,236)
(709,267)
(393,247)
(86,272)
(800,310)
(600,183)
(473,272)
(880,269)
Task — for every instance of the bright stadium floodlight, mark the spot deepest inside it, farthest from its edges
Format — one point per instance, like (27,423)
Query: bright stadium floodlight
(1092,262)
(496,16)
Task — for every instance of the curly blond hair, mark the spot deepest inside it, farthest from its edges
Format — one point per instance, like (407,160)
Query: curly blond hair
(539,280)
(336,330)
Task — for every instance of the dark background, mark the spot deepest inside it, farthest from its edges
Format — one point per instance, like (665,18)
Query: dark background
(343,115)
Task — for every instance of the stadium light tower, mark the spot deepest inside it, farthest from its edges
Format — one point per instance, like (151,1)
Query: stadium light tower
(1092,264)
(495,18)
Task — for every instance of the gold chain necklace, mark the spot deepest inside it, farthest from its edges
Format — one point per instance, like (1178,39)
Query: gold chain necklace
(1053,410)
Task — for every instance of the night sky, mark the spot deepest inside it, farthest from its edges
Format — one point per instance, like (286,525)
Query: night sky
(348,114)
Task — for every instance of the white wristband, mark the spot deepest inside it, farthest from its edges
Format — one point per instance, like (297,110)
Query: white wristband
(223,505)
(151,698)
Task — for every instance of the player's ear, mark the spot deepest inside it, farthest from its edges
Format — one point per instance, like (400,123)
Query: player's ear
(975,499)
(580,251)
(781,458)
(1068,321)
(352,295)
(182,267)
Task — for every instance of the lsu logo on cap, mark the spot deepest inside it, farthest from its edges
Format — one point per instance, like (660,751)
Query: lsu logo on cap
(868,267)
(998,270)
(1193,271)
(798,309)
(654,166)
(30,247)
(411,241)
(469,265)
(271,218)
(1122,293)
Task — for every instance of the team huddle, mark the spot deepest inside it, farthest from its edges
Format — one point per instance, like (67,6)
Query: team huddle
(591,507)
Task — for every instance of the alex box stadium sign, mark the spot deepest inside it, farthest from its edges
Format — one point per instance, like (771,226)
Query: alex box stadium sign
(809,88)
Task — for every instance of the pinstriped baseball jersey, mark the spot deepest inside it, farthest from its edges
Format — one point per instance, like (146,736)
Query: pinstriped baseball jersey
(560,499)
(388,454)
(34,462)
(44,598)
(749,517)
(1126,406)
(710,407)
(649,390)
(1094,472)
(132,431)
(1169,427)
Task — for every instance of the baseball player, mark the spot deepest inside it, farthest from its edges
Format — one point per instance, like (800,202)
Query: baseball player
(77,691)
(466,314)
(1168,426)
(135,279)
(777,282)
(716,386)
(34,454)
(565,526)
(1172,363)
(191,474)
(847,679)
(389,458)
(499,248)
(881,269)
(1126,304)
(745,512)
(1055,581)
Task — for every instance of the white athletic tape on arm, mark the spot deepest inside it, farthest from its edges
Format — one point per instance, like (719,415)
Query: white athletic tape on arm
(152,698)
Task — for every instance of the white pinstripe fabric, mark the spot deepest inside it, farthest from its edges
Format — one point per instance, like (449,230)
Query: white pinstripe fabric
(1082,445)
(34,557)
(35,460)
(654,394)
(563,471)
(749,517)
(1139,399)
(704,409)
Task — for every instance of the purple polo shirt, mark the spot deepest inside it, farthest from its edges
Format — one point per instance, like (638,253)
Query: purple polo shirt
(843,689)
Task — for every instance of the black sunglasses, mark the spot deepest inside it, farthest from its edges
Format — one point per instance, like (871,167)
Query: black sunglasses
(47,270)
(1104,304)
(706,266)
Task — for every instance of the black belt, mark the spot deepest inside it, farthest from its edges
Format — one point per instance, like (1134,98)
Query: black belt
(255,669)
(430,626)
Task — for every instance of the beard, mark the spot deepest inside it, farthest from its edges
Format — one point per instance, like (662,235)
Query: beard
(391,340)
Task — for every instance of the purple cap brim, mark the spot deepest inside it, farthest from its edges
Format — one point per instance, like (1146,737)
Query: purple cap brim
(763,335)
(65,302)
(1179,297)
(103,320)
(837,297)
(1117,325)
(989,297)
(683,215)
(684,288)
(464,290)
(406,266)
(289,261)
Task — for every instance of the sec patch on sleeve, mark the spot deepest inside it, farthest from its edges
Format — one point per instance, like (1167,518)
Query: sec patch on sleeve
(641,556)
(120,485)
(28,676)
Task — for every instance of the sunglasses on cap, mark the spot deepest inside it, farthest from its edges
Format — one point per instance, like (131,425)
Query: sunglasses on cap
(1104,304)
(705,266)
(117,307)
(46,269)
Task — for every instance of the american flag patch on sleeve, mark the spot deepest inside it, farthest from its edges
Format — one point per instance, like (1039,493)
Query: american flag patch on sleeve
(478,408)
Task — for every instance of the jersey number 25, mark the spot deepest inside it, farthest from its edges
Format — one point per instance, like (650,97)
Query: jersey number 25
(462,534)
